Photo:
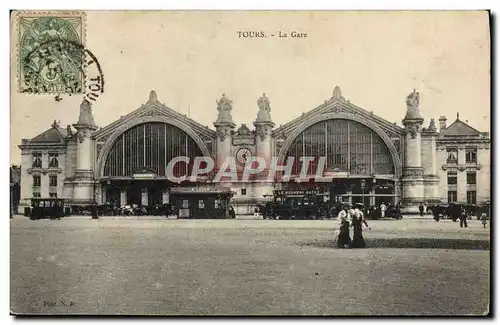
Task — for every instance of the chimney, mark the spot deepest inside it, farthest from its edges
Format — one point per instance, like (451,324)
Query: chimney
(442,123)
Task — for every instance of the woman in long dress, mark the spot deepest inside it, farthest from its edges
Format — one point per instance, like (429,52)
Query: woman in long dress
(357,222)
(343,238)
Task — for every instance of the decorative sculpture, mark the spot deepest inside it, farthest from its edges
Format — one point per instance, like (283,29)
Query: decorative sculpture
(264,103)
(432,126)
(86,114)
(224,104)
(412,100)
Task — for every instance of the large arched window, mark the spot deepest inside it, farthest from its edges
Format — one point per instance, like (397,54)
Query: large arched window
(151,146)
(348,146)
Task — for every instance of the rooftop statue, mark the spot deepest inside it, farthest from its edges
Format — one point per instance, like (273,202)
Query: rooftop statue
(86,117)
(224,104)
(264,103)
(412,100)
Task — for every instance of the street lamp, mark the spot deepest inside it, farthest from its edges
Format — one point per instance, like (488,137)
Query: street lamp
(363,185)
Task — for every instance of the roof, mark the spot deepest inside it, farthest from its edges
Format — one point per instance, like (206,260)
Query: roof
(459,128)
(54,134)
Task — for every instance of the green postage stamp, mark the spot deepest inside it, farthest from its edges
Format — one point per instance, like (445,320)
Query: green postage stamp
(50,52)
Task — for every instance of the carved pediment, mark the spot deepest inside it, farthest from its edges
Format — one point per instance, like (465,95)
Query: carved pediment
(244,131)
(243,136)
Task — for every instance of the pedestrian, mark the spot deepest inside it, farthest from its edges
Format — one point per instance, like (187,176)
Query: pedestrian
(357,223)
(462,215)
(343,237)
(421,209)
(256,212)
(383,207)
(484,219)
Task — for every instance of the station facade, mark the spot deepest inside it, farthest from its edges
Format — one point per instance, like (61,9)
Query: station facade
(368,158)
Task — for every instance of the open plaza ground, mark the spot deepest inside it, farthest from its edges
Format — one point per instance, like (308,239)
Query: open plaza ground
(142,265)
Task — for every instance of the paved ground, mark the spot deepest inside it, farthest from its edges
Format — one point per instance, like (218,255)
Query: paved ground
(246,267)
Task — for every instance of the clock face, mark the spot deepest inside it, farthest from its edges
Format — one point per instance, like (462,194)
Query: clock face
(242,155)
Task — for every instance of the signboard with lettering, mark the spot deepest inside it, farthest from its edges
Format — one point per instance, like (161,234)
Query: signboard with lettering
(289,193)
(198,190)
(143,176)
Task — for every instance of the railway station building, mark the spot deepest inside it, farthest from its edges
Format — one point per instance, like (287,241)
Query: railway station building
(368,158)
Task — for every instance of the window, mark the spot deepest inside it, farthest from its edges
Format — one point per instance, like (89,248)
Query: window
(452,196)
(471,178)
(216,204)
(471,197)
(37,181)
(452,155)
(471,155)
(201,204)
(53,160)
(53,194)
(243,191)
(37,160)
(52,180)
(452,178)
(36,194)
(185,204)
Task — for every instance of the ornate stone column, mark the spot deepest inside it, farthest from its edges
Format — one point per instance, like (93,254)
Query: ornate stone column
(224,126)
(84,177)
(429,164)
(263,144)
(413,187)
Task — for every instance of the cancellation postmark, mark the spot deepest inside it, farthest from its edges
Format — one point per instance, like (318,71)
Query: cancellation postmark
(52,57)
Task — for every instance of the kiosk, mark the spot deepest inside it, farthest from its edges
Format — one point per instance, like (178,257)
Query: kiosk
(201,202)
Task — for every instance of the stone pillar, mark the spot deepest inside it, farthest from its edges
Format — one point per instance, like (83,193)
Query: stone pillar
(263,144)
(123,197)
(144,197)
(429,165)
(413,187)
(84,176)
(224,126)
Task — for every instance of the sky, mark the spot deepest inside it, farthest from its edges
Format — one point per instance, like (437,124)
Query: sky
(191,58)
